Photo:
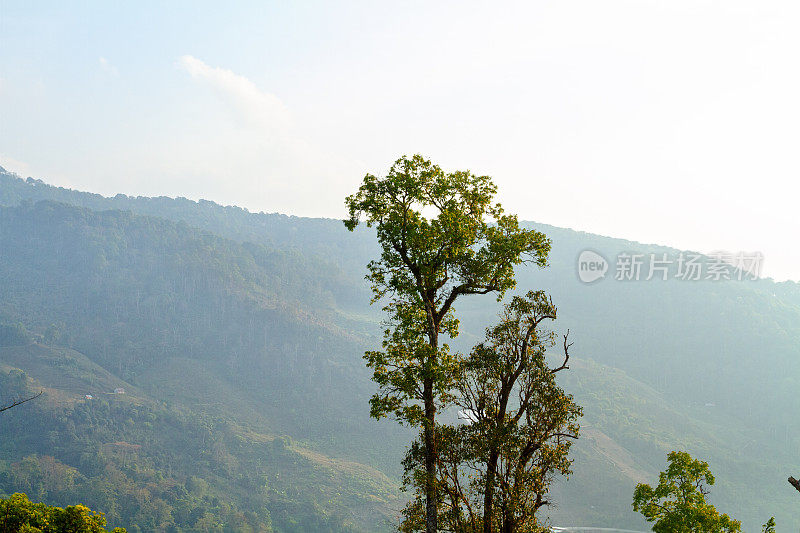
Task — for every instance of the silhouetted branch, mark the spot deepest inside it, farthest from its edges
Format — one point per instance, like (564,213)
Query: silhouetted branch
(564,365)
(20,402)
(794,483)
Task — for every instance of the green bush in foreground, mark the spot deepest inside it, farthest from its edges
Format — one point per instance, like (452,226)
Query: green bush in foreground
(19,514)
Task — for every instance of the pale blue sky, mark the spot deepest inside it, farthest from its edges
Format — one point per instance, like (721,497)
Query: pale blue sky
(673,122)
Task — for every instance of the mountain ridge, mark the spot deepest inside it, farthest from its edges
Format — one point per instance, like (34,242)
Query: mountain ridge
(650,356)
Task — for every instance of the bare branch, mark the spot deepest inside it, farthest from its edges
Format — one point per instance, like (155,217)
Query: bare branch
(564,365)
(20,402)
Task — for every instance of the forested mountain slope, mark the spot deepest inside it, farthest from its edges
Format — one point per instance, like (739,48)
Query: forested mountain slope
(247,326)
(164,466)
(315,237)
(208,337)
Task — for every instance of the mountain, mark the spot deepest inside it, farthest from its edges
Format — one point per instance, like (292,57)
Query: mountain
(218,360)
(237,338)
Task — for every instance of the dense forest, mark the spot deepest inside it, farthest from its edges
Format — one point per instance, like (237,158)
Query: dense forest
(237,340)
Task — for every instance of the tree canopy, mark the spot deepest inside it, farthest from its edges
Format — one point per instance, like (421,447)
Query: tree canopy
(442,236)
(495,468)
(18,513)
(678,503)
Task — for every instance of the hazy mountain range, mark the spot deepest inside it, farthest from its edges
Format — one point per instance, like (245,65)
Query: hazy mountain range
(237,339)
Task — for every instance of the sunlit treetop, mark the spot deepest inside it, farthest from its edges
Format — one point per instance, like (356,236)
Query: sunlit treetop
(678,503)
(442,234)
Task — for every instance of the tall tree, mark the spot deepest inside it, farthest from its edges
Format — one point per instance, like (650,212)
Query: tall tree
(495,470)
(442,236)
(678,503)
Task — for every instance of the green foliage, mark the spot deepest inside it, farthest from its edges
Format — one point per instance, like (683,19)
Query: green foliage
(157,469)
(426,263)
(437,244)
(769,527)
(18,513)
(496,469)
(457,249)
(678,503)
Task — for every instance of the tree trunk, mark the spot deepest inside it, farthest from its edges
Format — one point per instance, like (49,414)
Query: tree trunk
(488,495)
(494,456)
(508,522)
(431,515)
(429,430)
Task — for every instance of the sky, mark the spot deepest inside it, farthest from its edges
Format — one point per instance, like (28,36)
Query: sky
(670,122)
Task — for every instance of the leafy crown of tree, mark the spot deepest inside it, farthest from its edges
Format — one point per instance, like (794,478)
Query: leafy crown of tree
(438,243)
(678,503)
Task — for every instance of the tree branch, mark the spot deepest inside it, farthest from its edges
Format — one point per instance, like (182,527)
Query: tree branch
(564,365)
(20,402)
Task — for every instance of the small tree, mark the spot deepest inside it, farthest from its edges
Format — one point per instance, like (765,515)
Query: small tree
(495,471)
(678,504)
(438,243)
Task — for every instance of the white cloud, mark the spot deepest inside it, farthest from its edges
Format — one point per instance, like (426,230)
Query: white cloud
(249,104)
(265,151)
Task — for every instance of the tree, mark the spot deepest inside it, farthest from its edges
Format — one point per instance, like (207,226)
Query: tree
(769,527)
(437,244)
(18,513)
(678,504)
(495,471)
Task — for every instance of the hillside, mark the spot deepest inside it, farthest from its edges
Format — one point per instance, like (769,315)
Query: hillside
(248,329)
(152,466)
(204,334)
